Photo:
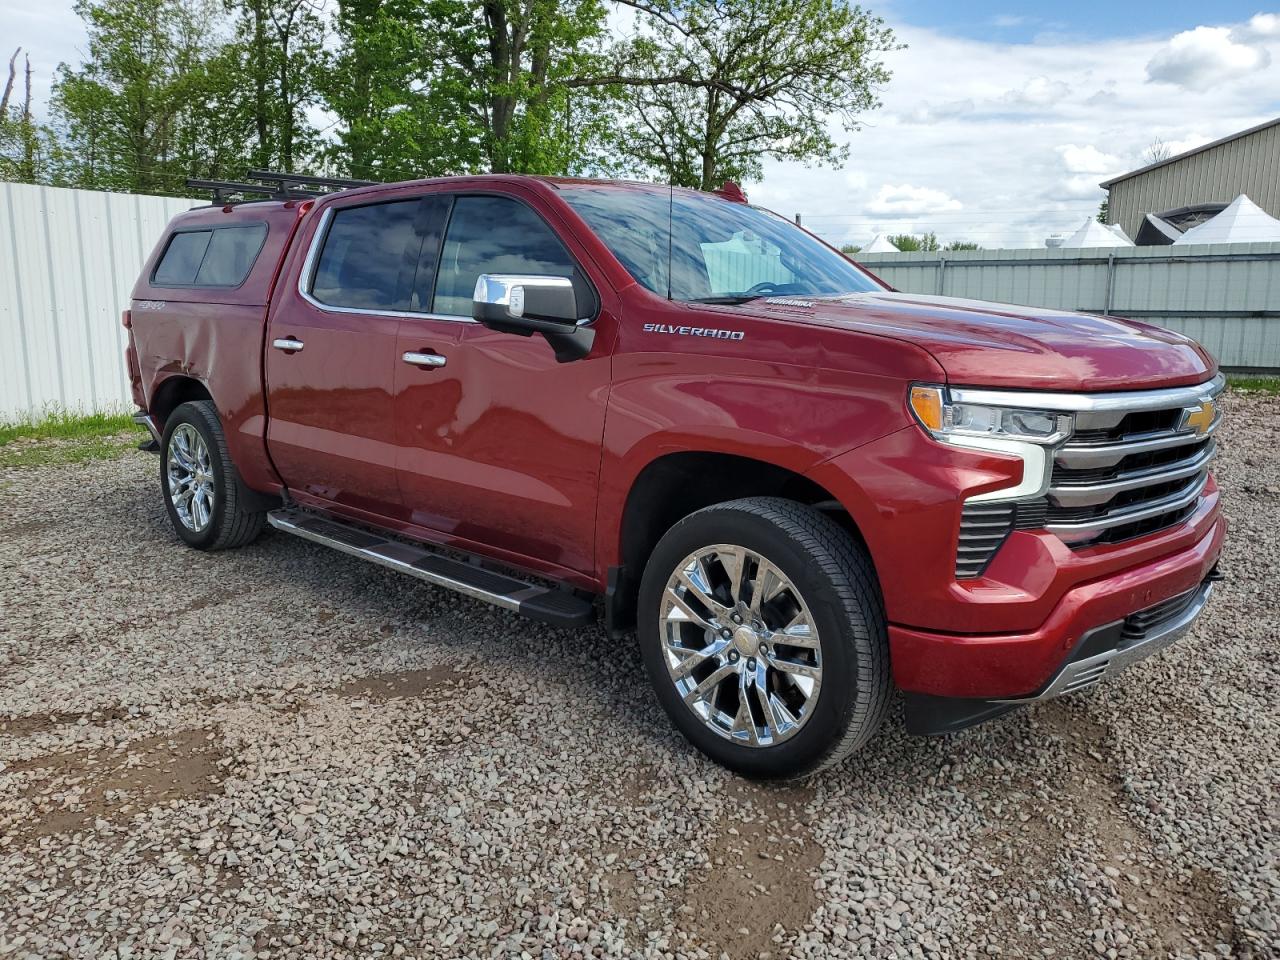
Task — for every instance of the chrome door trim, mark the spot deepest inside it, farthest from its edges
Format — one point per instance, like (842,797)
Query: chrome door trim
(307,275)
(288,344)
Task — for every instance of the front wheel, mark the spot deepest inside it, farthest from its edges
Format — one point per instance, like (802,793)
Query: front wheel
(202,490)
(763,631)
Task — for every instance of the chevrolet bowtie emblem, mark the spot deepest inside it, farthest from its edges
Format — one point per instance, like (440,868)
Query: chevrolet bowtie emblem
(1199,419)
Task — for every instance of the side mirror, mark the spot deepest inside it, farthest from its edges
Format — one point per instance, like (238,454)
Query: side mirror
(525,305)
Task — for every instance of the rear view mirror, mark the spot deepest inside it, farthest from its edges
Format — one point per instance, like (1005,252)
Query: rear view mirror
(525,305)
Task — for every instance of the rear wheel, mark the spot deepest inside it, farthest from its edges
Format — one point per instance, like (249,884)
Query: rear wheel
(202,490)
(762,629)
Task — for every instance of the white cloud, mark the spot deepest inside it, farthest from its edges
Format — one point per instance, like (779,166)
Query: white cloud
(1089,159)
(927,112)
(1199,58)
(1039,92)
(905,200)
(1261,26)
(1005,163)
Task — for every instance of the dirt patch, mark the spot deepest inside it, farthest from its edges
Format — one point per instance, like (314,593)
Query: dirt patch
(1168,913)
(74,790)
(758,891)
(410,683)
(28,527)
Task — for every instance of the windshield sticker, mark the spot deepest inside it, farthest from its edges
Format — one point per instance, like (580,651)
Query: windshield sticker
(695,331)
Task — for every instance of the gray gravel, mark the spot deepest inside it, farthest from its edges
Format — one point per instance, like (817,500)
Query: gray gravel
(280,752)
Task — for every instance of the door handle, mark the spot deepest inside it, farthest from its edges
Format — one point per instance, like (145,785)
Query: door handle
(424,359)
(288,344)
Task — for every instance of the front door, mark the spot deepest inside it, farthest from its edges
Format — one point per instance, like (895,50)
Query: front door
(333,352)
(505,456)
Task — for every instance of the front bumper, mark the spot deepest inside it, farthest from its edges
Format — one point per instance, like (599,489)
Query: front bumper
(1017,665)
(1100,653)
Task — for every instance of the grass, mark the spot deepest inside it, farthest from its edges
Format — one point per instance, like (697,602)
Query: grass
(1254,384)
(64,425)
(61,437)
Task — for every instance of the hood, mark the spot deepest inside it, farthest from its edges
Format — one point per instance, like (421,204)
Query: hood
(1000,345)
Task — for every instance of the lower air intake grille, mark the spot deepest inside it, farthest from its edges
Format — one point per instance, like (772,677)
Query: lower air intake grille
(983,528)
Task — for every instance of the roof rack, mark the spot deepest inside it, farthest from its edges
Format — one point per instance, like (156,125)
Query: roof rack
(275,186)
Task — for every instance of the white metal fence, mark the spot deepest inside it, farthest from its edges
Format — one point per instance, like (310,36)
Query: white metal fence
(68,261)
(1225,296)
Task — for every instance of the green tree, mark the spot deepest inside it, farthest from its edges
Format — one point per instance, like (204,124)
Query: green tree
(927,242)
(157,99)
(1104,211)
(373,85)
(281,46)
(426,87)
(961,245)
(850,248)
(718,86)
(29,151)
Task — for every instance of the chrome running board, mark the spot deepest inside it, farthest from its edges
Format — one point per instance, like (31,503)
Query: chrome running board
(557,607)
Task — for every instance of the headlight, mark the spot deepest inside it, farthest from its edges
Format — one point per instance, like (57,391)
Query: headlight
(1019,432)
(952,421)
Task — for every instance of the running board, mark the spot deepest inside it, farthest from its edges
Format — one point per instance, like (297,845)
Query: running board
(547,604)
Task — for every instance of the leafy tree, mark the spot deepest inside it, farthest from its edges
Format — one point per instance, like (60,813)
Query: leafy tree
(281,45)
(29,151)
(156,100)
(718,86)
(908,241)
(373,84)
(426,87)
(850,248)
(961,245)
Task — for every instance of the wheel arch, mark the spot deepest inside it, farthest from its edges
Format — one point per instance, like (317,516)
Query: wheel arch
(674,485)
(173,391)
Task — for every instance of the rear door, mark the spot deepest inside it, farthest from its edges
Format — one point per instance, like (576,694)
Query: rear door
(333,353)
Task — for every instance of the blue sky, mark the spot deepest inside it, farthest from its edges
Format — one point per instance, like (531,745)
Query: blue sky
(1081,20)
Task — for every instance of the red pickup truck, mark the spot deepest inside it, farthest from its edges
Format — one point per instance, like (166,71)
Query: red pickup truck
(684,414)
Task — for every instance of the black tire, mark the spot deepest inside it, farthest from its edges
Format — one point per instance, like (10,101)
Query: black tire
(231,523)
(838,583)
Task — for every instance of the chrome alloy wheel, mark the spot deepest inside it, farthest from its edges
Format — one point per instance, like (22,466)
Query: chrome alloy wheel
(740,645)
(191,483)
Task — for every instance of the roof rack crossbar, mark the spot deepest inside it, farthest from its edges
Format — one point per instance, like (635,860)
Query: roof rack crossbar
(306,179)
(222,188)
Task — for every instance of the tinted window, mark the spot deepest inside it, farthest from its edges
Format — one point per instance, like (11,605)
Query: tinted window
(369,257)
(696,246)
(494,235)
(221,257)
(182,258)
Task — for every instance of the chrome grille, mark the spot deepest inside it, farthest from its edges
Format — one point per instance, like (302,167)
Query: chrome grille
(1126,473)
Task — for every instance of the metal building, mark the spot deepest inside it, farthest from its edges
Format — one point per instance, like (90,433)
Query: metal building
(1247,162)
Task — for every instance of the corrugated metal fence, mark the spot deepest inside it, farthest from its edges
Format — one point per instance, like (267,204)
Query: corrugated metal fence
(68,261)
(1227,297)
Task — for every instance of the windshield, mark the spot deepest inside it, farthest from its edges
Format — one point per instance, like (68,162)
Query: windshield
(719,251)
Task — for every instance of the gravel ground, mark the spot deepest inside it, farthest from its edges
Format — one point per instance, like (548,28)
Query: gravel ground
(281,752)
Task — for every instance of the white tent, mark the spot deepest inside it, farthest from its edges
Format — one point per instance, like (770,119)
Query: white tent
(1119,232)
(880,244)
(1243,221)
(1095,234)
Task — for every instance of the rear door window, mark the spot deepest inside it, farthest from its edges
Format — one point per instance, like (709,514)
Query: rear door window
(369,257)
(218,257)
